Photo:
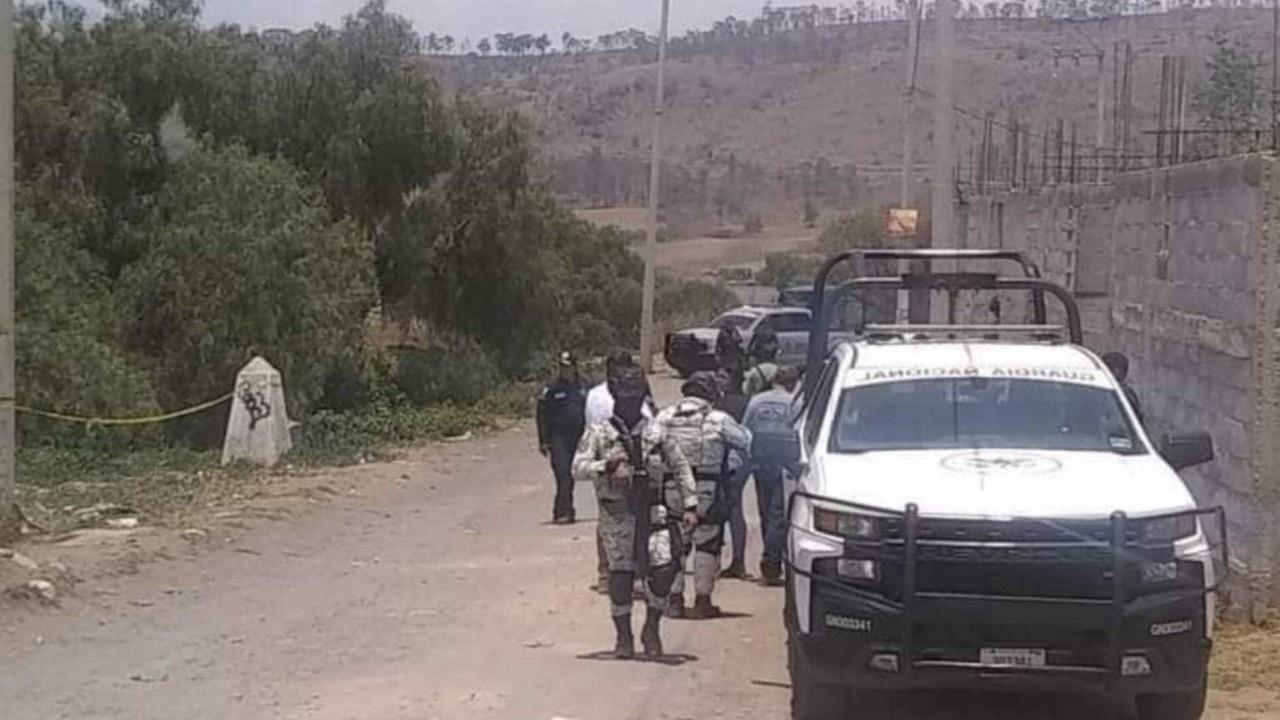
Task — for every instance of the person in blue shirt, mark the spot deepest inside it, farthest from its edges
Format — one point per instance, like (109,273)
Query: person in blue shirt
(770,414)
(561,422)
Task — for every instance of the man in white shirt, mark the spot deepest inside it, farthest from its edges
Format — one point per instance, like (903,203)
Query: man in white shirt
(600,401)
(600,410)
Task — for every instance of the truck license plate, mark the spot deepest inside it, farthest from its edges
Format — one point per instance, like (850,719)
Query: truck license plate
(1012,657)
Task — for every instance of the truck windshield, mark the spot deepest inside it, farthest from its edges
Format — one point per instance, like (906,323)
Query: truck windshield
(982,413)
(733,322)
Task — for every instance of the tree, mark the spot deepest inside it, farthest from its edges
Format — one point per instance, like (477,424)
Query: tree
(504,43)
(484,46)
(1228,98)
(69,356)
(863,229)
(243,258)
(1013,10)
(543,43)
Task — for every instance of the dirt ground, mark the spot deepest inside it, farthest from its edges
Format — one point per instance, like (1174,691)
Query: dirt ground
(430,587)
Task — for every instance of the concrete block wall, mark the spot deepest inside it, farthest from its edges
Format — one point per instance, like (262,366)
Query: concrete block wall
(1176,267)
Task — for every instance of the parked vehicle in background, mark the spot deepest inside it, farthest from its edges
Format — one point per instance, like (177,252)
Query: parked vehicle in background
(796,296)
(694,349)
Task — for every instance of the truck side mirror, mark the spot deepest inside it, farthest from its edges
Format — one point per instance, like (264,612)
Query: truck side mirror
(1186,450)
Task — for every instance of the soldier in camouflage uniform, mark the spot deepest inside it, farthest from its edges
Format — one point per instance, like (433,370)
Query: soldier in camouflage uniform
(607,456)
(706,438)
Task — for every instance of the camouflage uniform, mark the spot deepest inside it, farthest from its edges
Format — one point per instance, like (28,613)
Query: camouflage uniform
(706,437)
(672,486)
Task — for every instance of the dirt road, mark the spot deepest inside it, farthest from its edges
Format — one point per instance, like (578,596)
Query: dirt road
(430,587)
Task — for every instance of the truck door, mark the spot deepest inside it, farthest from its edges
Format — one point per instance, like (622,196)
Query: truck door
(792,329)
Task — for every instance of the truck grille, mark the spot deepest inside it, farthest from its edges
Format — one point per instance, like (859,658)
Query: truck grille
(1083,581)
(1016,531)
(1090,580)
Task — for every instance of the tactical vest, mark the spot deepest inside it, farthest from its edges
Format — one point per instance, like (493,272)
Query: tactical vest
(690,426)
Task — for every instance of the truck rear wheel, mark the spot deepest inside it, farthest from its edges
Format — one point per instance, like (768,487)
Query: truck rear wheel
(1173,706)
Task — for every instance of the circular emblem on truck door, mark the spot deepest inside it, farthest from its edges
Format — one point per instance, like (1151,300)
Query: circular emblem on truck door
(1001,463)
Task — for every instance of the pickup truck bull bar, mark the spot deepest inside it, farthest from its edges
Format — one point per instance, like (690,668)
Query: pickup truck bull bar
(1123,547)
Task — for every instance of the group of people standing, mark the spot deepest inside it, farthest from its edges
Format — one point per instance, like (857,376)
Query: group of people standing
(668,481)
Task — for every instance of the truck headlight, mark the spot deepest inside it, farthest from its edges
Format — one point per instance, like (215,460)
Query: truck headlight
(845,524)
(1168,529)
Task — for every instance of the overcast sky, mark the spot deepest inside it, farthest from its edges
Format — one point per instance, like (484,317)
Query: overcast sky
(477,18)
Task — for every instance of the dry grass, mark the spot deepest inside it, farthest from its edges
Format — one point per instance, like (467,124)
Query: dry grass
(626,218)
(1246,655)
(778,114)
(698,255)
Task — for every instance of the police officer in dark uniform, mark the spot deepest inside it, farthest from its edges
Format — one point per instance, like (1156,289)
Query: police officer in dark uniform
(561,412)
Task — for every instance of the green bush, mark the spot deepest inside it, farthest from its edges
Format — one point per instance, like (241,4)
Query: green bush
(456,370)
(681,303)
(863,229)
(783,269)
(68,354)
(344,438)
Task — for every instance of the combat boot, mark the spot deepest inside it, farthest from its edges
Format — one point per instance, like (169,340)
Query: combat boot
(649,637)
(771,571)
(675,606)
(703,609)
(625,647)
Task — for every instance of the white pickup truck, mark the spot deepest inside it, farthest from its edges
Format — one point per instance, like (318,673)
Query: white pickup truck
(981,508)
(694,349)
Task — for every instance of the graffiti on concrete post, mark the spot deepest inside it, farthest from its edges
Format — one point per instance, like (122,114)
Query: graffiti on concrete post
(255,403)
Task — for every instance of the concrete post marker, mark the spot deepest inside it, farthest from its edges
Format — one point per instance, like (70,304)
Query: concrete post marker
(258,426)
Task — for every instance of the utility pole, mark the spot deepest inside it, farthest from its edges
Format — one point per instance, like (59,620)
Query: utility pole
(1100,131)
(7,472)
(944,152)
(917,300)
(1275,74)
(655,170)
(913,62)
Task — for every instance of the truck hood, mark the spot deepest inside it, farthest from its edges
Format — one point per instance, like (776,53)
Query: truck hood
(993,483)
(704,336)
(707,334)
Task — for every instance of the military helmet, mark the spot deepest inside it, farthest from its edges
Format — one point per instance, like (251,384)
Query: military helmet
(703,385)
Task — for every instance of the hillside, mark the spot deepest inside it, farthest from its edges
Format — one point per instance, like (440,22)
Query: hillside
(756,126)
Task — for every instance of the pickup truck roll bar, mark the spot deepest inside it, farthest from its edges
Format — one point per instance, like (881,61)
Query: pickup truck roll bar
(1029,269)
(821,305)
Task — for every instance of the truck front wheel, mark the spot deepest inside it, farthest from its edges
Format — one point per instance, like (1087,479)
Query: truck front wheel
(815,701)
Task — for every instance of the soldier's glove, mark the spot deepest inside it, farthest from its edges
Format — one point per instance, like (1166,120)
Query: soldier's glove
(616,457)
(690,519)
(620,473)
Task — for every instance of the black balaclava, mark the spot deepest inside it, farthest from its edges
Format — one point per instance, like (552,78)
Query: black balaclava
(629,390)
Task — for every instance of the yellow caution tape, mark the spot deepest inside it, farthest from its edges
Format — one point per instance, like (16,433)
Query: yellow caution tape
(119,421)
